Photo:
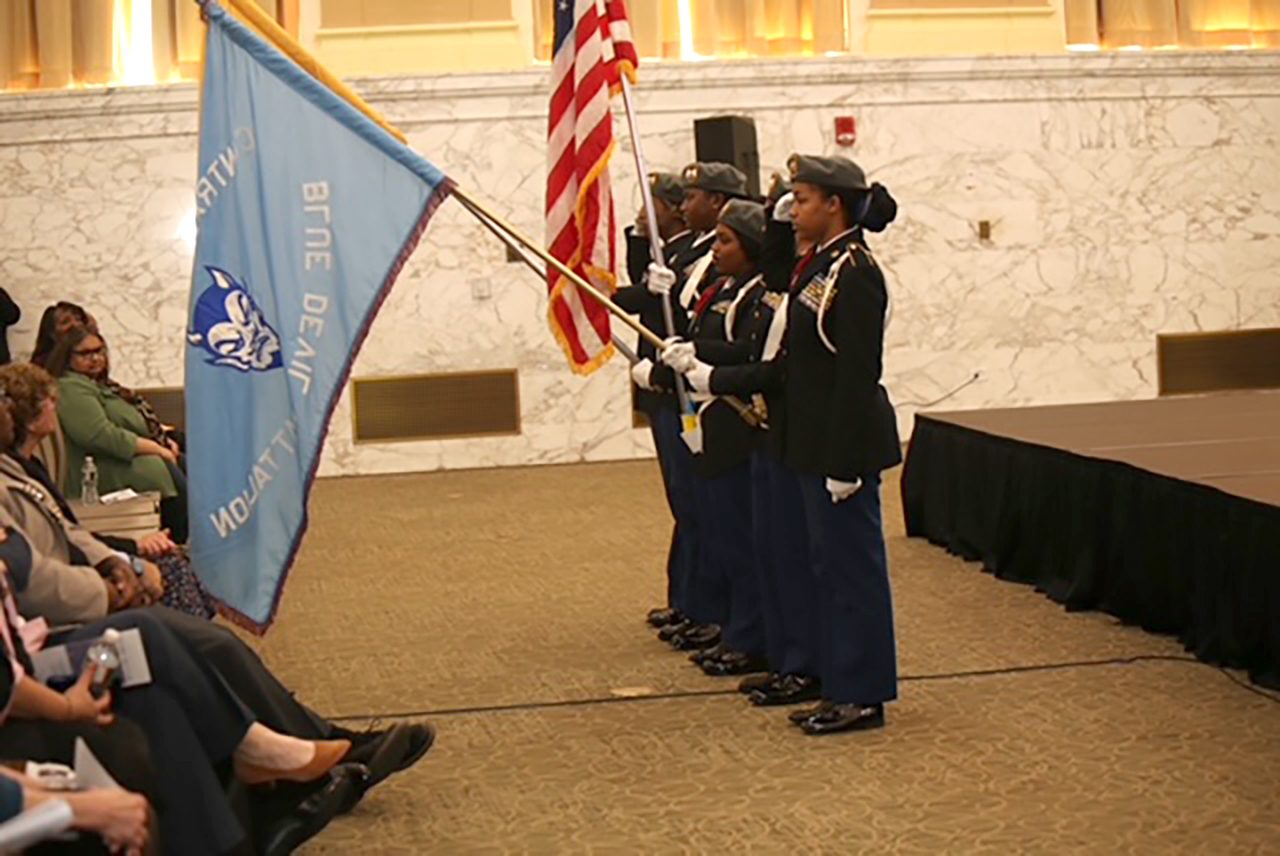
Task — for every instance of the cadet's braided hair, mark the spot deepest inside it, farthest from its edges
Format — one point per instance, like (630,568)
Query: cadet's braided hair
(872,209)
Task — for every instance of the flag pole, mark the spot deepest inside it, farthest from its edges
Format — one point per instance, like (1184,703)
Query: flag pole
(287,45)
(651,219)
(507,233)
(511,239)
(282,40)
(527,258)
(646,194)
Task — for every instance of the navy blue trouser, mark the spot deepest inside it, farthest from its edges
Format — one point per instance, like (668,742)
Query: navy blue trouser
(729,557)
(788,588)
(707,592)
(193,720)
(859,659)
(676,463)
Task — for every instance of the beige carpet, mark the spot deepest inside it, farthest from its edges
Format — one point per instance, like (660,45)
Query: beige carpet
(466,590)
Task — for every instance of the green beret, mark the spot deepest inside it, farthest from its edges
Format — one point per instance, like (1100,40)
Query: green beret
(830,173)
(716,178)
(667,187)
(747,220)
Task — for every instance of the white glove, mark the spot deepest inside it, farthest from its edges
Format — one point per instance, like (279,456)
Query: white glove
(640,372)
(842,490)
(784,208)
(660,280)
(678,354)
(699,375)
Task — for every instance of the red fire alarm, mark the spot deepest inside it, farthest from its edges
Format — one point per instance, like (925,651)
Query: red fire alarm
(846,130)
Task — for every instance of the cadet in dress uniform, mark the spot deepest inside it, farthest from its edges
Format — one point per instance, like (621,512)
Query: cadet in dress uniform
(721,332)
(707,187)
(841,434)
(660,407)
(787,586)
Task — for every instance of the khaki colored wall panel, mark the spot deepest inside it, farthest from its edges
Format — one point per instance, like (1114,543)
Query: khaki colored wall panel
(965,30)
(1082,22)
(430,407)
(1208,362)
(400,13)
(19,62)
(93,38)
(955,6)
(428,48)
(54,37)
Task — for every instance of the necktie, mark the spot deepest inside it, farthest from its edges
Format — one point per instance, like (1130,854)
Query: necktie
(801,265)
(707,296)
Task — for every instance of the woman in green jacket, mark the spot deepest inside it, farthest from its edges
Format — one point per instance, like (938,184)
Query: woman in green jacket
(97,421)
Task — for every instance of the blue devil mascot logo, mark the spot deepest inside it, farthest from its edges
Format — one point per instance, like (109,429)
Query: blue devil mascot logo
(231,328)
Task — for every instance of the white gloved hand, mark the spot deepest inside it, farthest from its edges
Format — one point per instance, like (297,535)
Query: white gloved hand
(842,490)
(641,370)
(699,375)
(784,208)
(660,280)
(678,354)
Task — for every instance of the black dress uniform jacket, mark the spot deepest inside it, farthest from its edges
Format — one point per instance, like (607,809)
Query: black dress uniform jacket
(839,421)
(638,300)
(763,376)
(694,261)
(727,438)
(828,414)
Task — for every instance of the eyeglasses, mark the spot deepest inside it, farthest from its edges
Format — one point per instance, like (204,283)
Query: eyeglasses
(91,352)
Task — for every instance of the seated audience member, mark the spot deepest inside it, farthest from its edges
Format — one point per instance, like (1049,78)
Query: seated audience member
(116,818)
(74,578)
(56,321)
(10,314)
(34,394)
(193,723)
(97,421)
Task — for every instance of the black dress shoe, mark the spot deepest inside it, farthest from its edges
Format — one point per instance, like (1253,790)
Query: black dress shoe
(669,632)
(422,736)
(712,653)
(758,682)
(845,717)
(703,636)
(663,617)
(342,790)
(734,663)
(392,750)
(799,716)
(792,689)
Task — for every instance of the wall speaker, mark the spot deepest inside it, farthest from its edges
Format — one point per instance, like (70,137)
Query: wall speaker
(730,139)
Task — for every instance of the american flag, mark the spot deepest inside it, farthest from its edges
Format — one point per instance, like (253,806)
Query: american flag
(592,50)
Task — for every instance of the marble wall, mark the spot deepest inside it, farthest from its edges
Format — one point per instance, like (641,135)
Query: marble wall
(1128,195)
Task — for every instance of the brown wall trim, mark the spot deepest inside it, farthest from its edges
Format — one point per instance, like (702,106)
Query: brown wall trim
(1209,362)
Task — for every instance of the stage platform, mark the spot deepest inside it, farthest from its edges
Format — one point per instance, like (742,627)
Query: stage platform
(1164,513)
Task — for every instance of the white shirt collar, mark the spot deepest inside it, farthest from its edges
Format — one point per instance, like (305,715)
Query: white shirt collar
(828,244)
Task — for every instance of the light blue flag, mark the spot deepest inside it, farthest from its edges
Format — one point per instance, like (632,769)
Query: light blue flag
(306,212)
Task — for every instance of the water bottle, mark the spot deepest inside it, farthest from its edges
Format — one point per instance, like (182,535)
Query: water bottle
(89,481)
(105,656)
